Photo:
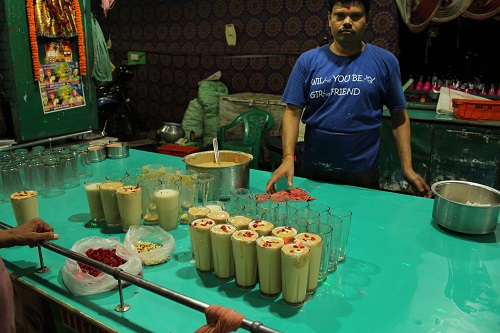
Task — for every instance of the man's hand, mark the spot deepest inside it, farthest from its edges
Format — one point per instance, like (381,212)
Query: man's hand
(418,183)
(29,233)
(285,170)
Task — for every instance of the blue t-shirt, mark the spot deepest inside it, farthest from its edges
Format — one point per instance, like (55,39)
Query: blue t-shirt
(343,97)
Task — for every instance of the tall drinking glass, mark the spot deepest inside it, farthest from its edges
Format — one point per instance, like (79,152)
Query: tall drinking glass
(346,216)
(241,195)
(93,192)
(188,189)
(336,223)
(295,269)
(53,181)
(129,205)
(318,239)
(269,265)
(110,203)
(166,199)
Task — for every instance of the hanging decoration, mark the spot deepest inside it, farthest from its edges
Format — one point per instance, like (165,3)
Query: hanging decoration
(55,19)
(81,38)
(418,14)
(32,36)
(107,5)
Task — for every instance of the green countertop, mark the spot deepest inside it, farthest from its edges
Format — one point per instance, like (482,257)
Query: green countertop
(432,116)
(402,273)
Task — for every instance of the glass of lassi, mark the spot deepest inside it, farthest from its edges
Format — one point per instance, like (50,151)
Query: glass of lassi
(317,238)
(93,192)
(25,205)
(220,216)
(262,227)
(245,258)
(110,203)
(294,272)
(129,200)
(239,221)
(166,198)
(222,250)
(269,265)
(201,244)
(197,212)
(287,233)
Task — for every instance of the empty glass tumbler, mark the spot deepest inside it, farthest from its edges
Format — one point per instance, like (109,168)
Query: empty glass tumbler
(53,182)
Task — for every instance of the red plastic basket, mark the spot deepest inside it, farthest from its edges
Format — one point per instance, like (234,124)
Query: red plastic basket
(476,109)
(177,150)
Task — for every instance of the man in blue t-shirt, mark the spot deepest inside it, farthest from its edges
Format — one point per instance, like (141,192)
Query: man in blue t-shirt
(339,91)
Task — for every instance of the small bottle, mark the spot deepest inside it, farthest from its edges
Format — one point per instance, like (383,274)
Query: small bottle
(466,88)
(420,83)
(412,84)
(473,89)
(482,87)
(325,41)
(435,87)
(492,90)
(427,84)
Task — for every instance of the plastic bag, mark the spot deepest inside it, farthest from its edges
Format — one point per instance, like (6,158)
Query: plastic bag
(80,283)
(152,234)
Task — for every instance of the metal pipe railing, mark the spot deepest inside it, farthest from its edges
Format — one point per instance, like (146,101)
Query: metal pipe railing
(47,140)
(119,275)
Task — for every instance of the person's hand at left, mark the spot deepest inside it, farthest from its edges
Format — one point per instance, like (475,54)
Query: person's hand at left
(418,183)
(29,233)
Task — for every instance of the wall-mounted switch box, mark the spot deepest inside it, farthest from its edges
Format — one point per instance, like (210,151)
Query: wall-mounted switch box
(136,58)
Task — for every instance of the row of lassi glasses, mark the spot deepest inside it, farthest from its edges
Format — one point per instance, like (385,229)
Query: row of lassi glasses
(280,210)
(278,258)
(157,190)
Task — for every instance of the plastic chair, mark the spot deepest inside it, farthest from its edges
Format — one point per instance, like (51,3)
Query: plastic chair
(255,122)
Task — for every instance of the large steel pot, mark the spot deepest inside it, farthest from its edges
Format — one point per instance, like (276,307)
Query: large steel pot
(466,207)
(226,178)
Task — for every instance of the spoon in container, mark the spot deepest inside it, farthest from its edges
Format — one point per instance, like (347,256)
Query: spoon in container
(216,150)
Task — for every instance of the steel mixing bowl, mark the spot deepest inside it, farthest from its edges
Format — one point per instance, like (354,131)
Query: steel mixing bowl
(466,207)
(171,132)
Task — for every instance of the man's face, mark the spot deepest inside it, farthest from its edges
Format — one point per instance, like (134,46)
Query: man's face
(347,22)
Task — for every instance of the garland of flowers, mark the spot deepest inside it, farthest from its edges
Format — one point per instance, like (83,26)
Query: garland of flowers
(32,36)
(81,39)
